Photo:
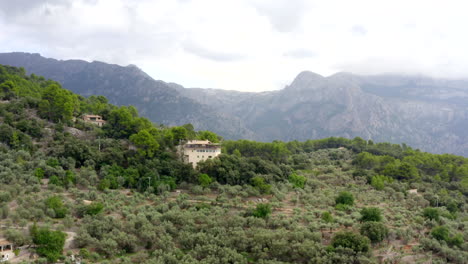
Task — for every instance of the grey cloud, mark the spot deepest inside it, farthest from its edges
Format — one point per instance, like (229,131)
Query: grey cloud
(284,15)
(359,30)
(136,40)
(300,53)
(200,51)
(412,66)
(12,8)
(377,65)
(118,47)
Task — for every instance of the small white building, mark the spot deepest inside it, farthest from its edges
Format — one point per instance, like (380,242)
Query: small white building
(6,250)
(194,151)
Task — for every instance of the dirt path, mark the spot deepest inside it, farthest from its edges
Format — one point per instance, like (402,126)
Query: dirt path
(69,241)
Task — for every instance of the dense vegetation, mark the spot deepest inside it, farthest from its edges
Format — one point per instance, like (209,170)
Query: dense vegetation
(111,191)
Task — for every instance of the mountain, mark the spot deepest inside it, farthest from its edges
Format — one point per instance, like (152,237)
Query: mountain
(129,85)
(430,114)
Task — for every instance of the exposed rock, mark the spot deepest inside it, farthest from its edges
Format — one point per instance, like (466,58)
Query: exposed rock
(75,132)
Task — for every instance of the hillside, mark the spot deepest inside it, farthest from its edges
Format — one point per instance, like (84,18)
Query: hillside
(119,194)
(429,114)
(129,85)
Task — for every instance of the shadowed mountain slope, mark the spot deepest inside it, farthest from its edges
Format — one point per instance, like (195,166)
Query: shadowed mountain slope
(431,114)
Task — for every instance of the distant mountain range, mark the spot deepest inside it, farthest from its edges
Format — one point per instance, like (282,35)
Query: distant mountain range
(426,113)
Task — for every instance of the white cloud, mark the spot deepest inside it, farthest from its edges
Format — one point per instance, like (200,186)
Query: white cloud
(300,53)
(284,15)
(247,44)
(359,30)
(210,54)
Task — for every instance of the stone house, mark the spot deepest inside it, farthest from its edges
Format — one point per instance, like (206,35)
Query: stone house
(6,250)
(194,151)
(94,119)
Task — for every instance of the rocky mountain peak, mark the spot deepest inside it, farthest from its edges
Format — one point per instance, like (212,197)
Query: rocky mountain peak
(306,79)
(430,114)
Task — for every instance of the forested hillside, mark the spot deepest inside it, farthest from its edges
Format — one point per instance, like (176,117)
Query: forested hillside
(427,113)
(124,86)
(119,194)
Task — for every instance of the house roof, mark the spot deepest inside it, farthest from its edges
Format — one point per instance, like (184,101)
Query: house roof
(4,242)
(201,143)
(92,116)
(198,142)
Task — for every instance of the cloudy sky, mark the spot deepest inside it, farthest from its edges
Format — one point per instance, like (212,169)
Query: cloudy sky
(248,45)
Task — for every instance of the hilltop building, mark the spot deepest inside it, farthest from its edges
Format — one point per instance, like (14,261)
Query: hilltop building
(6,250)
(94,119)
(194,151)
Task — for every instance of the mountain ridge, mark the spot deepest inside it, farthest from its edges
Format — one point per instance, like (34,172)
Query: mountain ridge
(126,85)
(428,113)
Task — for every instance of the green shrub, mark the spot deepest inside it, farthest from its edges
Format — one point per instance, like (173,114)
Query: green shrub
(49,243)
(94,208)
(440,233)
(5,196)
(371,214)
(298,181)
(104,184)
(452,206)
(204,180)
(327,217)
(375,231)
(259,183)
(346,239)
(55,180)
(55,203)
(379,181)
(84,253)
(263,210)
(17,237)
(431,213)
(345,198)
(201,206)
(456,240)
(53,162)
(342,207)
(39,173)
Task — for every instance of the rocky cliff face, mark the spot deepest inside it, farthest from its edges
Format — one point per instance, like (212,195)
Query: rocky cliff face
(430,114)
